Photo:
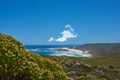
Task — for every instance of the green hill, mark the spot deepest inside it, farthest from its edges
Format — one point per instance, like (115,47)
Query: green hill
(18,64)
(101,49)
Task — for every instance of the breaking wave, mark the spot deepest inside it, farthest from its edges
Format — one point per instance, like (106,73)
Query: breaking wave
(59,52)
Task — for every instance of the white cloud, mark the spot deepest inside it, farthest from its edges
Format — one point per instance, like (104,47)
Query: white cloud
(65,35)
(69,26)
(51,39)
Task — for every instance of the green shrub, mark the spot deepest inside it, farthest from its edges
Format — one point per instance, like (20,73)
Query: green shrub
(19,64)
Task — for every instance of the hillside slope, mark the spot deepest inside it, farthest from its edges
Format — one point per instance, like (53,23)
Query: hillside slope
(101,49)
(104,68)
(18,64)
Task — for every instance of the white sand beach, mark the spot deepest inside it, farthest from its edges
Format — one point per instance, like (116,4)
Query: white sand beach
(75,51)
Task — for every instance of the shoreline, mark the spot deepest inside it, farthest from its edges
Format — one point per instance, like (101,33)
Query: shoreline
(75,51)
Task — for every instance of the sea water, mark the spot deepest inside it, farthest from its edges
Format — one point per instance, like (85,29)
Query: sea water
(49,50)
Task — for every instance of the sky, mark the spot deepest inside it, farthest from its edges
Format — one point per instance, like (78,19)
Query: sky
(48,22)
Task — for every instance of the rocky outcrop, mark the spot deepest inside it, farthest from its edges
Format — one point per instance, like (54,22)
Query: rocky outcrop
(90,68)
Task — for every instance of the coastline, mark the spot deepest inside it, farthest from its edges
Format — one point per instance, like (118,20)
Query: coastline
(74,51)
(58,51)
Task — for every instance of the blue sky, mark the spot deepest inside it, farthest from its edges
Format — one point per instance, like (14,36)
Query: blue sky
(35,21)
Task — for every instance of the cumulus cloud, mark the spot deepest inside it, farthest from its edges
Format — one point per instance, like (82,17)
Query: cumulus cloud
(65,35)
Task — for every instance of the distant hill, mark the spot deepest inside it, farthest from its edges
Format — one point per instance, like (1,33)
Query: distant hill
(18,64)
(101,49)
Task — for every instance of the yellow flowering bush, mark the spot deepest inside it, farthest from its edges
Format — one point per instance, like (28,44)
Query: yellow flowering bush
(18,64)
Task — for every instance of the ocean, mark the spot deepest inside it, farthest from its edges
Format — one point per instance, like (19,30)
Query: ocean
(52,50)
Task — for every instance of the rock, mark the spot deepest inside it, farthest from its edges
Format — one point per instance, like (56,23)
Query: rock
(76,64)
(100,72)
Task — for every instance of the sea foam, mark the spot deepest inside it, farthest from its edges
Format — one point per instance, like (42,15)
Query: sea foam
(58,51)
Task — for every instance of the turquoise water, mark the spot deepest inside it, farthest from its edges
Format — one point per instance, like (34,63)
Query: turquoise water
(49,50)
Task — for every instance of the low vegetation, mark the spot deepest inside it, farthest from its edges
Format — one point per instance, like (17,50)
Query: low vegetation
(90,68)
(101,49)
(18,64)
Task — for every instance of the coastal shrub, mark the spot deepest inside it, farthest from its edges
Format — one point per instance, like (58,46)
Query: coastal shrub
(18,64)
(90,68)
